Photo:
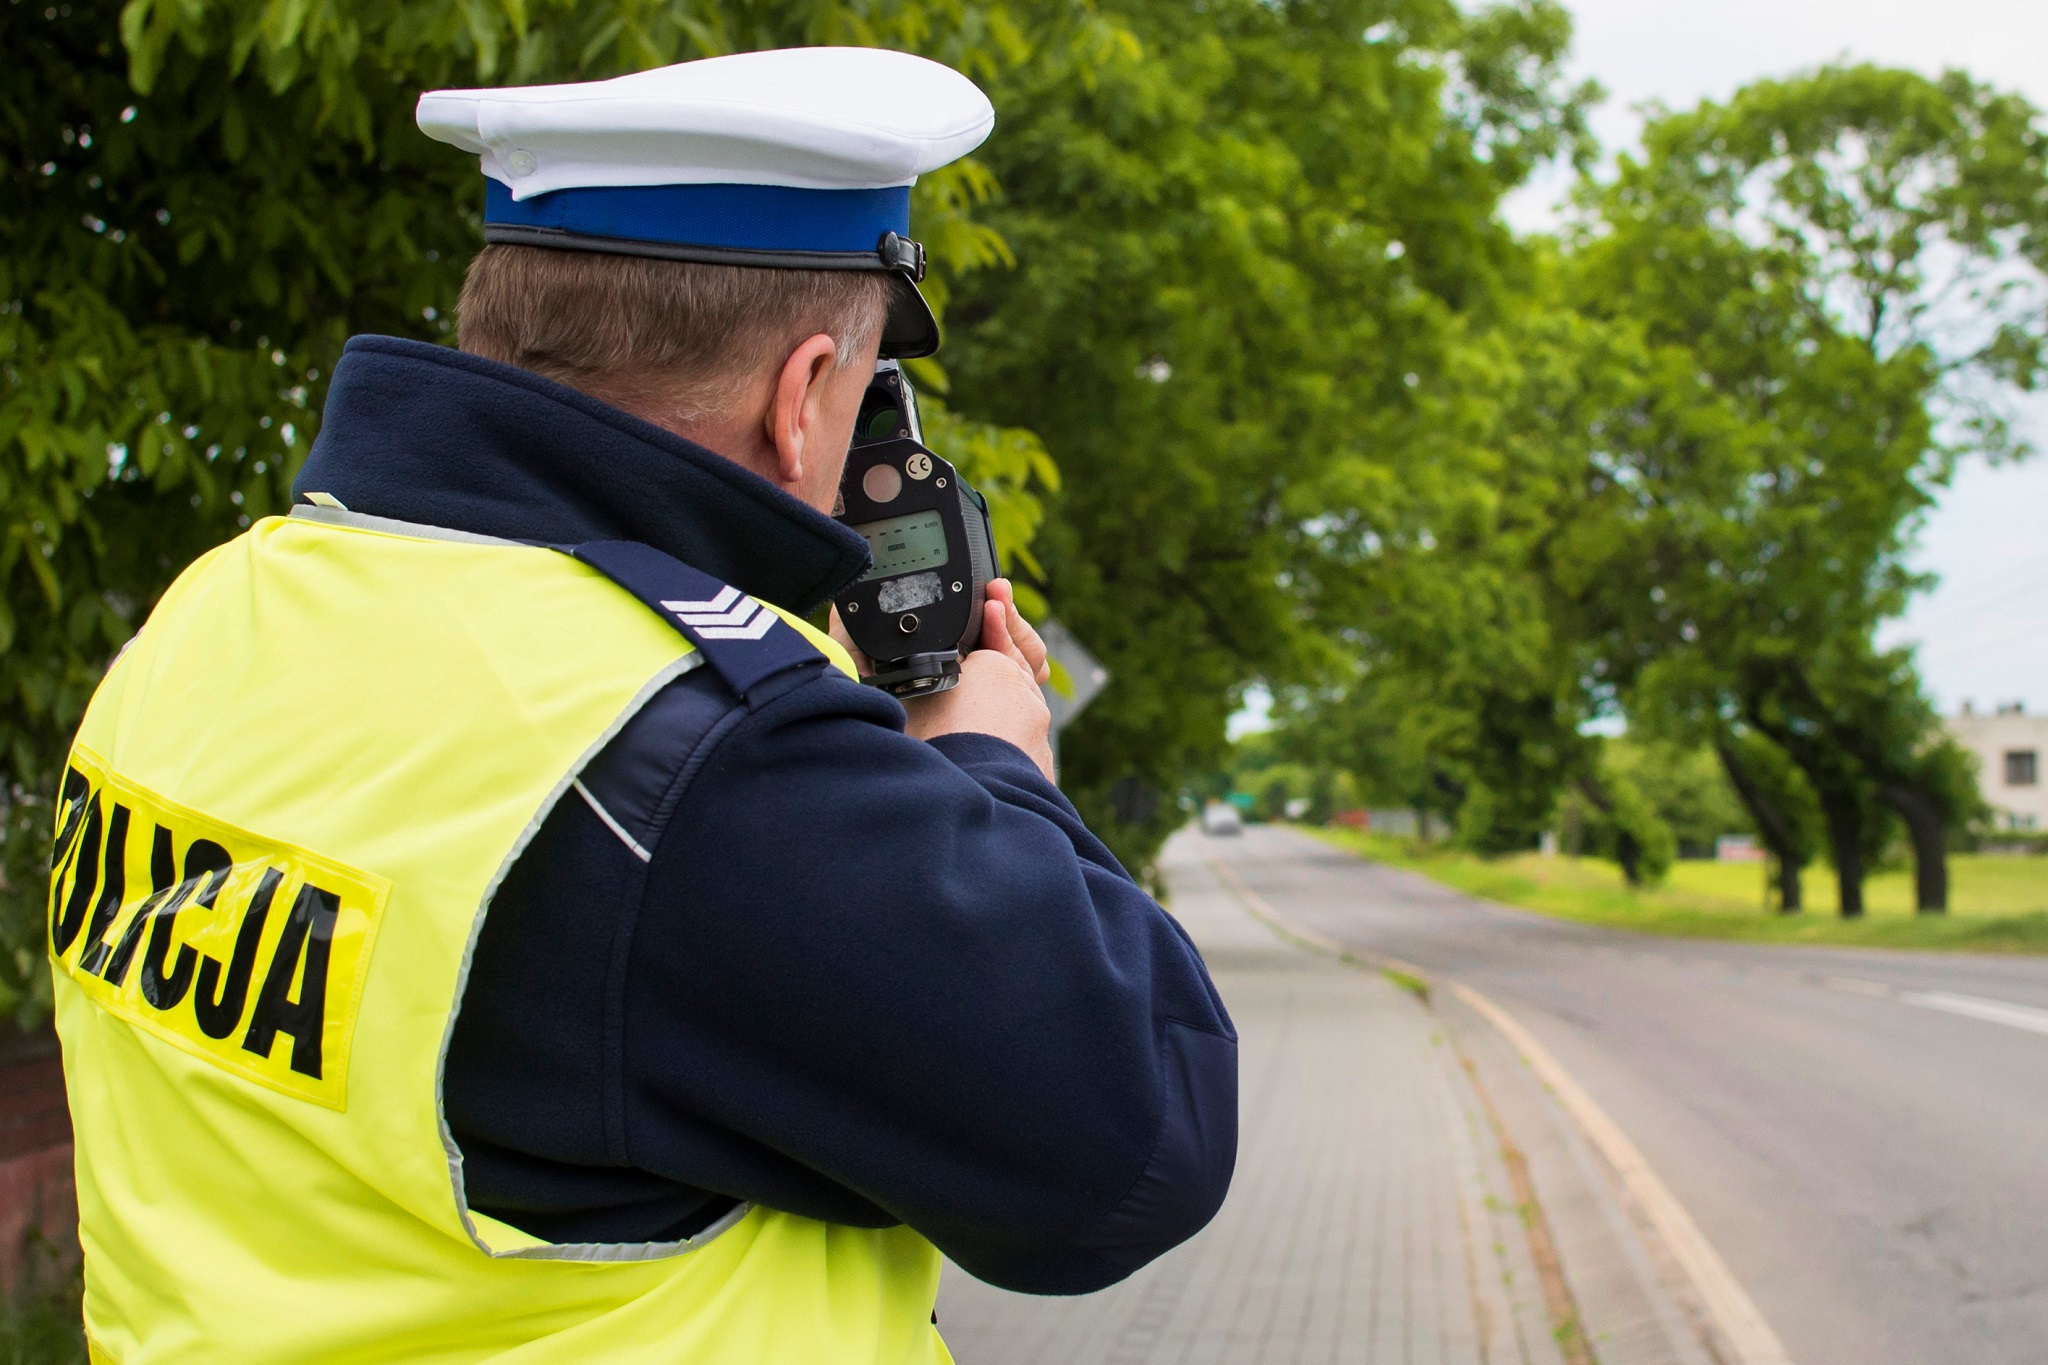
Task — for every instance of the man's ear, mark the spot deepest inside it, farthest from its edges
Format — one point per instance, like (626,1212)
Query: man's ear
(794,408)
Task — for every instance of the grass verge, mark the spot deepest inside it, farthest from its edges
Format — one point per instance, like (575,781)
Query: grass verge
(1408,982)
(2001,904)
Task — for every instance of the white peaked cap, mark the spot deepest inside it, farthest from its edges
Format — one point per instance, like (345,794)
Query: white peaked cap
(812,117)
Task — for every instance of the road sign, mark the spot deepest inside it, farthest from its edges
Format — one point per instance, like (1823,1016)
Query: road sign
(1077,675)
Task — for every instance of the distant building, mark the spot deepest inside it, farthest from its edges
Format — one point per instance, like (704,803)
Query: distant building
(1738,848)
(2009,745)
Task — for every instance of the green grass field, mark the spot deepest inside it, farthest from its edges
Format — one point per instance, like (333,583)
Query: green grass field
(1999,905)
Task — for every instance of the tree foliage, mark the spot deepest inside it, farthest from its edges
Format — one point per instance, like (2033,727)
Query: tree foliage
(1717,416)
(1247,237)
(1837,286)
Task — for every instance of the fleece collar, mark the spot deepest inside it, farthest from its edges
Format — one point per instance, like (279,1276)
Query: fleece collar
(423,433)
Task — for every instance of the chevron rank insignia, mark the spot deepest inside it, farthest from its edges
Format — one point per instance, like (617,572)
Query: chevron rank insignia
(731,615)
(742,638)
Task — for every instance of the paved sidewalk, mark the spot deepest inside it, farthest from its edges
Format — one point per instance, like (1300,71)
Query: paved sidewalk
(1370,1219)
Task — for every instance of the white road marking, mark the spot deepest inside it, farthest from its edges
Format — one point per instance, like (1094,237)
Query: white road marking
(1977,1007)
(1741,1324)
(2027,1017)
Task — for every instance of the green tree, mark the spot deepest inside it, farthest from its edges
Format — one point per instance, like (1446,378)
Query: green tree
(1836,285)
(1484,658)
(1859,715)
(1687,788)
(1680,700)
(1779,801)
(1616,818)
(1468,740)
(1246,247)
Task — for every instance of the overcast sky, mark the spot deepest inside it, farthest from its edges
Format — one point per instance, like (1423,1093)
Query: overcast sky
(1983,631)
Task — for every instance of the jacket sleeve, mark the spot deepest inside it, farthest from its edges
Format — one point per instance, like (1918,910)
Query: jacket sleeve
(902,982)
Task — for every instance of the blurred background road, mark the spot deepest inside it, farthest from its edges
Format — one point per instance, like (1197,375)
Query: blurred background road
(1861,1134)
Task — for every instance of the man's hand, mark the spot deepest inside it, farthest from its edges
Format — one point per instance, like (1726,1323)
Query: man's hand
(998,689)
(998,692)
(1005,631)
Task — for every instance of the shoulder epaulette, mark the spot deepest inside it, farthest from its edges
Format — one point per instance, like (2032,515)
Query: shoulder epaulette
(742,639)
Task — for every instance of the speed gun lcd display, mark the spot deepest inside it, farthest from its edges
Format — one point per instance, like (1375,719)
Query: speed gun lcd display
(902,544)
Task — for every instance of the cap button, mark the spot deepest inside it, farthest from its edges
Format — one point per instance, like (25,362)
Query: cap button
(521,162)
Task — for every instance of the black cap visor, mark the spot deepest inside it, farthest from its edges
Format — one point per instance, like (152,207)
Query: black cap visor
(911,330)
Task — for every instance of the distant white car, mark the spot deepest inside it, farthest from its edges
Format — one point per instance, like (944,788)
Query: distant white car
(1220,817)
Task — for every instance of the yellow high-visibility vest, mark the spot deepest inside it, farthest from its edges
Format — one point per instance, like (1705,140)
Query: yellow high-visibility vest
(288,807)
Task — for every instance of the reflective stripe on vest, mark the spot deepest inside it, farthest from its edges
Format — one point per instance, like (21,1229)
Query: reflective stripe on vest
(289,804)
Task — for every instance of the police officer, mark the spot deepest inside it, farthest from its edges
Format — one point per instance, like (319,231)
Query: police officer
(490,924)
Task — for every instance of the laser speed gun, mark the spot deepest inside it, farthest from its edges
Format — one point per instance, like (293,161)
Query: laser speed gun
(917,609)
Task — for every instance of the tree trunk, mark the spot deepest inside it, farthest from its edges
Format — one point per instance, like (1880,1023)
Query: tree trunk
(1830,771)
(1791,895)
(1845,841)
(1453,792)
(1629,854)
(1929,833)
(1627,851)
(1773,827)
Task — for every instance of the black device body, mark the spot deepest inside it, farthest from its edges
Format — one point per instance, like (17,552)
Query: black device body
(917,609)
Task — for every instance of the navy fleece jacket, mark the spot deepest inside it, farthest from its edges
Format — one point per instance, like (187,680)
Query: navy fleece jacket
(784,953)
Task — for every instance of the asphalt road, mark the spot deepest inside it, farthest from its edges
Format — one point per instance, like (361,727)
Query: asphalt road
(1862,1135)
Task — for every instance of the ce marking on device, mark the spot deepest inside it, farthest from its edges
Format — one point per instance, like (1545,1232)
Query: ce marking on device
(918,466)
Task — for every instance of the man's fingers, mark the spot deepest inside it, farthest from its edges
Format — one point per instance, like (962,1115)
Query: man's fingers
(1006,630)
(995,627)
(995,624)
(995,634)
(1032,646)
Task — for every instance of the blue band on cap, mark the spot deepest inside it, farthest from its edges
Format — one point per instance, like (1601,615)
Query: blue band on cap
(746,217)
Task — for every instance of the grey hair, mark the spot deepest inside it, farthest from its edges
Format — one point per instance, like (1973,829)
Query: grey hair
(682,336)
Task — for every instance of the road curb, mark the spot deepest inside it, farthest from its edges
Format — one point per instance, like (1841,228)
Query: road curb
(1744,1335)
(1734,1315)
